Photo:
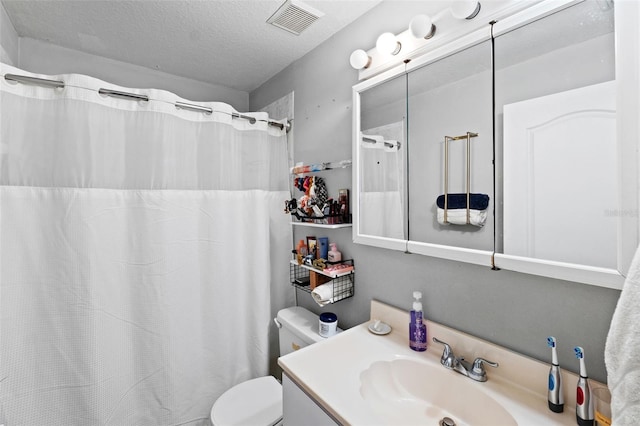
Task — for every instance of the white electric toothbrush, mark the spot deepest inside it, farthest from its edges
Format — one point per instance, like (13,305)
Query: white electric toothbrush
(554,393)
(584,404)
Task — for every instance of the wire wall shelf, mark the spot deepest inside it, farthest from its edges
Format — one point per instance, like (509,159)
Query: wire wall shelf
(307,278)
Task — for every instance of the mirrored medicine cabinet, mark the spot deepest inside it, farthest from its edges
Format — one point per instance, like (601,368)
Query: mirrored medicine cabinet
(513,150)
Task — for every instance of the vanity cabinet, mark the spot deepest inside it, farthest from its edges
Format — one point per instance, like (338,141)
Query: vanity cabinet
(299,408)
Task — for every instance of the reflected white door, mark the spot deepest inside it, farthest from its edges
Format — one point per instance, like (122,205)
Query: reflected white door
(560,179)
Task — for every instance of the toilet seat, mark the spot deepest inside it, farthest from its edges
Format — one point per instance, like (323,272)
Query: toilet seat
(254,402)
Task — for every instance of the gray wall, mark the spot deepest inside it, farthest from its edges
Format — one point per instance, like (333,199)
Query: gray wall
(45,58)
(8,39)
(514,310)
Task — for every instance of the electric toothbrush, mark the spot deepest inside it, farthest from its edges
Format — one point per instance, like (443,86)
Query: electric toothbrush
(554,394)
(584,404)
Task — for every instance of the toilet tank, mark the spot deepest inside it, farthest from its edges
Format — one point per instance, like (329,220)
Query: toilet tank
(298,328)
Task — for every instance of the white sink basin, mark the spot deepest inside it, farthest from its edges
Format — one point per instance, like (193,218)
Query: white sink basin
(409,391)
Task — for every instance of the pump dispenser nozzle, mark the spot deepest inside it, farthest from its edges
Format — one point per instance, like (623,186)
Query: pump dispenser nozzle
(417,304)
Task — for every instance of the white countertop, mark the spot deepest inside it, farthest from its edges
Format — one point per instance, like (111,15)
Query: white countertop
(329,371)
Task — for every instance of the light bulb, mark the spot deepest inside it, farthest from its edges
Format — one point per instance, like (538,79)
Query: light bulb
(421,26)
(388,45)
(465,9)
(359,59)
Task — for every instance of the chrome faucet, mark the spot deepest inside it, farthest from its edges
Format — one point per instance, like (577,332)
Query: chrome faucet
(473,371)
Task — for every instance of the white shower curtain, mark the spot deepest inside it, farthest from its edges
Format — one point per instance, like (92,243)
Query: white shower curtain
(143,252)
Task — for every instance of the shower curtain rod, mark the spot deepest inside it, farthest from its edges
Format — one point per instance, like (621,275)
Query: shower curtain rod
(134,96)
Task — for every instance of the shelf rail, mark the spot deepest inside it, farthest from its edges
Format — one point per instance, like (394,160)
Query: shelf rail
(318,167)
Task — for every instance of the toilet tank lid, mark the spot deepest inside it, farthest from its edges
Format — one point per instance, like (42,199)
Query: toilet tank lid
(301,322)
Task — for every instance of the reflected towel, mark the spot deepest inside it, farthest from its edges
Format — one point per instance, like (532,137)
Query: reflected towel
(622,351)
(323,294)
(459,217)
(459,201)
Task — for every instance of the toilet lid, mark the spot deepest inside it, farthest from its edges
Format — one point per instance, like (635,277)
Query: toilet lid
(254,402)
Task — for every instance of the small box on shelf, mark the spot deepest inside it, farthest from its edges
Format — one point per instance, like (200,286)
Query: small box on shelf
(317,279)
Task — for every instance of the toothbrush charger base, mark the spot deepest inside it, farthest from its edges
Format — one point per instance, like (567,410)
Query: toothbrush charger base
(556,408)
(584,422)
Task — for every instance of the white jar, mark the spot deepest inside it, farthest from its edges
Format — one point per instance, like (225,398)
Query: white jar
(328,324)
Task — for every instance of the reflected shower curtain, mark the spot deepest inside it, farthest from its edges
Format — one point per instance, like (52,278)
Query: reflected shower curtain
(382,193)
(137,252)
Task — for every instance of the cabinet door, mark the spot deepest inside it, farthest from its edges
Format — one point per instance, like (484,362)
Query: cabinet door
(561,146)
(449,98)
(299,409)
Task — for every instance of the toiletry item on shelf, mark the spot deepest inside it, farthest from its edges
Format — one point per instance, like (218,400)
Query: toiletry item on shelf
(343,198)
(312,246)
(584,404)
(326,211)
(323,247)
(301,248)
(554,393)
(334,255)
(335,213)
(316,279)
(417,330)
(339,268)
(328,324)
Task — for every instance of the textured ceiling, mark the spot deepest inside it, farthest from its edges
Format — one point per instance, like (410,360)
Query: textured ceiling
(225,42)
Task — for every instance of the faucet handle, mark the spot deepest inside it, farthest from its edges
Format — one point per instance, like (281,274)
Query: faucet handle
(447,358)
(477,371)
(447,348)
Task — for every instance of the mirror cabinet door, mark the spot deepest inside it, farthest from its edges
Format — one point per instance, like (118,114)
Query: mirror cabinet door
(448,99)
(381,153)
(556,147)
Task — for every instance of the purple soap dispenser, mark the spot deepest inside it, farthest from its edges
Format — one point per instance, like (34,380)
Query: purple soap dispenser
(417,329)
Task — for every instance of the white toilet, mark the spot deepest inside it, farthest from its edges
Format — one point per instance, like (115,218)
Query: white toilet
(259,401)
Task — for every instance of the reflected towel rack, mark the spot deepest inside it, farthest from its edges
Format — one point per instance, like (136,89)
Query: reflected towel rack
(466,137)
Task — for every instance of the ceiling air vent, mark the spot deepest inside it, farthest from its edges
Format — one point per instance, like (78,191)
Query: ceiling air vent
(294,16)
